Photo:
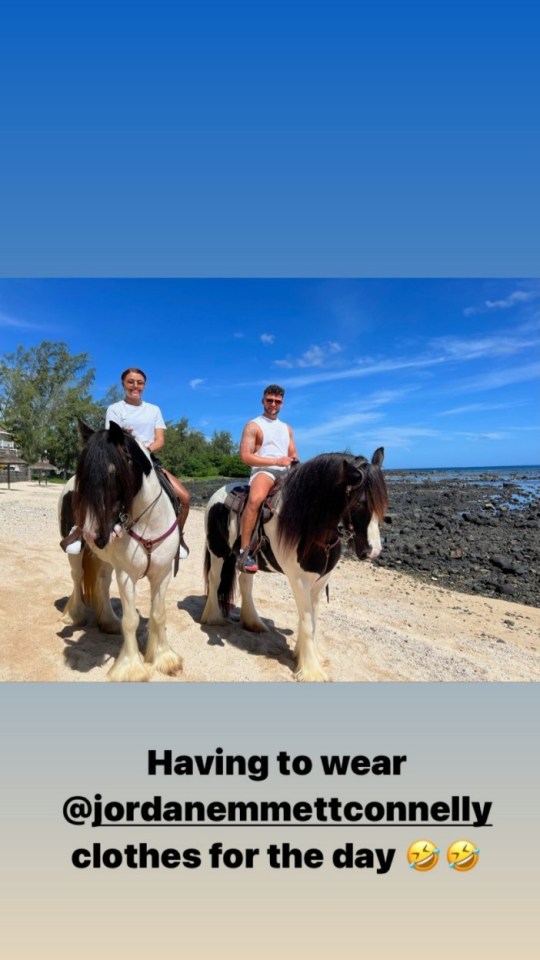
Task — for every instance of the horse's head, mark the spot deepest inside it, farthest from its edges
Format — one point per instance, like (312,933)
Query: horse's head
(109,475)
(366,503)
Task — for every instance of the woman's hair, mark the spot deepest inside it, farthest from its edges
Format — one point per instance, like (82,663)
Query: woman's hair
(133,370)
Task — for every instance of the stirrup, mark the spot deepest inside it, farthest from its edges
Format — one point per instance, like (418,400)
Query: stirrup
(246,562)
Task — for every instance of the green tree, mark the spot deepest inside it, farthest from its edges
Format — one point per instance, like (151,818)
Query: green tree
(43,390)
(221,445)
(233,466)
(189,453)
(113,395)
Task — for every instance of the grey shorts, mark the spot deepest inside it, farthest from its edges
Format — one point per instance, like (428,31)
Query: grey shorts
(272,472)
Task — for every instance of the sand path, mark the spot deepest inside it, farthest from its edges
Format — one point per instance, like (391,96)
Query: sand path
(379,625)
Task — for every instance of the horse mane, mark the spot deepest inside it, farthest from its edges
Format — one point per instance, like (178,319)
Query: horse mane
(316,493)
(375,492)
(111,465)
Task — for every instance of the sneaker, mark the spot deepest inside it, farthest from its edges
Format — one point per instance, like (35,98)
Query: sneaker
(246,562)
(183,552)
(74,547)
(73,542)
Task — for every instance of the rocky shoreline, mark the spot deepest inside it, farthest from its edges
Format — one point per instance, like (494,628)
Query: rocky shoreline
(474,537)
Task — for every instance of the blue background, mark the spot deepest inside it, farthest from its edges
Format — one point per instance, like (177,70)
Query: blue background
(269,139)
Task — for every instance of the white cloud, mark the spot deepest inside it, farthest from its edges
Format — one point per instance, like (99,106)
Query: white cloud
(403,437)
(337,427)
(382,366)
(480,407)
(468,348)
(518,296)
(469,435)
(197,382)
(8,321)
(383,397)
(442,352)
(267,338)
(315,356)
(499,378)
(512,300)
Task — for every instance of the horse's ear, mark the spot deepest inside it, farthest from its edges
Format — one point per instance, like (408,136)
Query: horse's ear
(378,457)
(85,431)
(353,476)
(116,434)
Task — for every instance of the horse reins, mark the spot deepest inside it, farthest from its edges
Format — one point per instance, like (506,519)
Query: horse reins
(147,544)
(345,531)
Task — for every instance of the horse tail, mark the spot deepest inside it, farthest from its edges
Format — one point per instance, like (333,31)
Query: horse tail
(227,584)
(65,512)
(90,568)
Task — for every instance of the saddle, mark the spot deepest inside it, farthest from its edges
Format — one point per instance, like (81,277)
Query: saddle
(165,483)
(236,500)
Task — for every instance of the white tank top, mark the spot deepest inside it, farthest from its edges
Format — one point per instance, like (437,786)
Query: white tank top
(276,438)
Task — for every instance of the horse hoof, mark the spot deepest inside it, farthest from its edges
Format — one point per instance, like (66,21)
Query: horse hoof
(169,663)
(254,626)
(134,672)
(311,676)
(74,621)
(216,621)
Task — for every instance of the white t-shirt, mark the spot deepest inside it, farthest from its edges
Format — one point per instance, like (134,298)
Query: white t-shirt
(142,419)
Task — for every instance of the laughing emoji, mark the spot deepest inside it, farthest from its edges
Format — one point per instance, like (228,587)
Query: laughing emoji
(423,855)
(462,855)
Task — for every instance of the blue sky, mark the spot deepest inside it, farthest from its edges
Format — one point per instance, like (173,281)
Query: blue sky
(440,373)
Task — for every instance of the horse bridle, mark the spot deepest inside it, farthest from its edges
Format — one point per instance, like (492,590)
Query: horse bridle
(147,544)
(345,530)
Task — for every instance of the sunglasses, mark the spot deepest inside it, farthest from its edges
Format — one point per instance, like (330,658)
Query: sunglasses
(273,400)
(135,383)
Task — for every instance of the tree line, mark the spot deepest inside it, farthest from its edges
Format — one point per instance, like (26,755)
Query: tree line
(44,390)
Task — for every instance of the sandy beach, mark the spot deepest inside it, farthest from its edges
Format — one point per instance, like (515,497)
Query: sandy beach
(380,625)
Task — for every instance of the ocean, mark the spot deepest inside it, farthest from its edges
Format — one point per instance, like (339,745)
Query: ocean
(525,478)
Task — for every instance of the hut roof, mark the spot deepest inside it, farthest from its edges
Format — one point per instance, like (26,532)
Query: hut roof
(42,465)
(11,458)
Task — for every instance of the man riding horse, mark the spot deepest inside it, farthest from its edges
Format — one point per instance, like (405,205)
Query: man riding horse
(268,447)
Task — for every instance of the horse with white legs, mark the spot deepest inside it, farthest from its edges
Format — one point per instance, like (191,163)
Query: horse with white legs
(324,502)
(129,525)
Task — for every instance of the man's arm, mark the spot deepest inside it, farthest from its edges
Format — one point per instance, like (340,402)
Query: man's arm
(292,451)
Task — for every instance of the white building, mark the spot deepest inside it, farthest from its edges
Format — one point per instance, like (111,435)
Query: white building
(8,448)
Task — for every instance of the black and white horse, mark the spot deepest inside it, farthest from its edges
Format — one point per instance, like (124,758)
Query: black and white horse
(324,502)
(128,524)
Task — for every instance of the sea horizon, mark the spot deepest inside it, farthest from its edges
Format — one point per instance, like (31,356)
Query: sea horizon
(525,476)
(489,469)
